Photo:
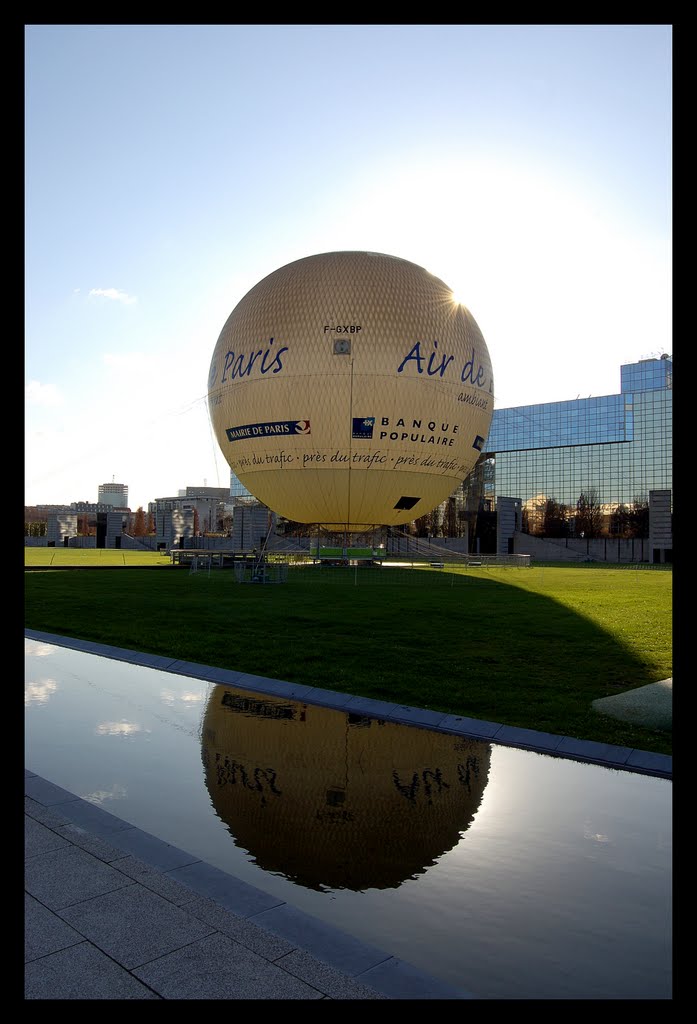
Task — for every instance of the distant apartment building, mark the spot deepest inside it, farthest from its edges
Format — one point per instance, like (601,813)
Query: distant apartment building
(115,495)
(179,517)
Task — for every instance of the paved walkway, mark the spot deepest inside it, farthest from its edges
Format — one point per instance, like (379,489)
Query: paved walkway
(112,912)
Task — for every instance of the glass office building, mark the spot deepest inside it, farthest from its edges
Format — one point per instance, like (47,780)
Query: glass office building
(238,492)
(616,447)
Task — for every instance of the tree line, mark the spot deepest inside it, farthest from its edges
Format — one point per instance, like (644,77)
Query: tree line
(587,518)
(543,517)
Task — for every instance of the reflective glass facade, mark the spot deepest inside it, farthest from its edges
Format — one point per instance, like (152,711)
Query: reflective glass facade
(238,490)
(618,446)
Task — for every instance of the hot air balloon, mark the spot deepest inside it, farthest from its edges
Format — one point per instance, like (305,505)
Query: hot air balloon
(351,390)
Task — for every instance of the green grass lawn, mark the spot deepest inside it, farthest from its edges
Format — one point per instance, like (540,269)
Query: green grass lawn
(525,647)
(60,558)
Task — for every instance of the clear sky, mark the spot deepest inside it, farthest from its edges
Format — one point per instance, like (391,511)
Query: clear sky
(169,168)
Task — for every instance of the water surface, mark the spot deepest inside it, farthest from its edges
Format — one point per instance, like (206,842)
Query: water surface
(511,874)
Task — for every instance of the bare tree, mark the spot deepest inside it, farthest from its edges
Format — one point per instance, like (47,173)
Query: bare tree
(620,520)
(435,517)
(639,518)
(589,515)
(422,525)
(555,519)
(450,519)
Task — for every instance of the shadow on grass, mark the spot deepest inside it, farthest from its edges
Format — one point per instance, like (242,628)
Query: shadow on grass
(460,644)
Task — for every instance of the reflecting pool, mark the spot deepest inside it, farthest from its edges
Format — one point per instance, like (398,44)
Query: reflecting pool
(511,874)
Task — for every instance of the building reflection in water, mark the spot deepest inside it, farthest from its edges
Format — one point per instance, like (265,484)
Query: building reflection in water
(333,800)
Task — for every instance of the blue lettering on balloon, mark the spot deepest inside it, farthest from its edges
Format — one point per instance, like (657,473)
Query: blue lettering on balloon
(241,365)
(435,364)
(444,363)
(469,374)
(414,354)
(431,370)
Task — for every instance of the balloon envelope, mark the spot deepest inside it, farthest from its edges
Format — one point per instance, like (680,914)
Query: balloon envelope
(350,389)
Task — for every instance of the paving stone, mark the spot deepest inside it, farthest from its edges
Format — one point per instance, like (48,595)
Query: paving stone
(62,877)
(81,972)
(152,850)
(134,925)
(241,929)
(230,892)
(44,931)
(99,848)
(216,967)
(52,817)
(339,949)
(39,839)
(322,976)
(156,881)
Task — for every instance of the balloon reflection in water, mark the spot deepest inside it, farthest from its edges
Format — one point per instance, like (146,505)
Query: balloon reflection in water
(336,800)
